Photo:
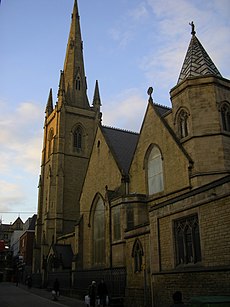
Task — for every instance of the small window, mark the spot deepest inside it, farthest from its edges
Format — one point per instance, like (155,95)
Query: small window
(78,83)
(116,224)
(155,171)
(130,217)
(137,254)
(183,124)
(225,117)
(187,240)
(77,139)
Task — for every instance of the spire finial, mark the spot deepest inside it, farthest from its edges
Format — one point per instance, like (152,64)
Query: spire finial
(149,92)
(193,28)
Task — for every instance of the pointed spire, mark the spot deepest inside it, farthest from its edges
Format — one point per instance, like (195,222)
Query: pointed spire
(96,97)
(75,79)
(97,102)
(197,62)
(61,88)
(49,105)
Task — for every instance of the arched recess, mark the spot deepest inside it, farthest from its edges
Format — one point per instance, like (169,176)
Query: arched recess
(78,142)
(182,122)
(137,254)
(224,109)
(153,164)
(97,224)
(50,142)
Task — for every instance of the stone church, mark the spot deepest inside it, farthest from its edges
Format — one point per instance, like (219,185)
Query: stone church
(149,212)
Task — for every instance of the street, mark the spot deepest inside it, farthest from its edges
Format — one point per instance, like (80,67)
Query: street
(13,296)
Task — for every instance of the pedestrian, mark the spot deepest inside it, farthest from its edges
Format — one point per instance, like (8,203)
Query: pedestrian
(92,293)
(102,292)
(177,299)
(29,281)
(56,290)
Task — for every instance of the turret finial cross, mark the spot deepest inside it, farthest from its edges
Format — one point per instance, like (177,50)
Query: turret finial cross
(193,28)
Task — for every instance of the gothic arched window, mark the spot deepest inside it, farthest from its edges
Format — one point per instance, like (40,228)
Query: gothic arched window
(77,139)
(183,123)
(225,116)
(137,255)
(99,233)
(187,240)
(155,171)
(50,142)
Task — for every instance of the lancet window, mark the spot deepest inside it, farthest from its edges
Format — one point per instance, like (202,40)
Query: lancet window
(50,142)
(77,139)
(155,171)
(99,233)
(183,123)
(225,116)
(137,255)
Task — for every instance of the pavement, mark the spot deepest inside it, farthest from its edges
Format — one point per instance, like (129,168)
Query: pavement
(12,295)
(63,300)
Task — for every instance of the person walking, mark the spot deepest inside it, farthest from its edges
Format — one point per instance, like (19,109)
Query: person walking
(92,293)
(29,281)
(102,292)
(56,290)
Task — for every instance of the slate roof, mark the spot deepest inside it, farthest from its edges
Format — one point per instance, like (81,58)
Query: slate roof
(122,143)
(33,222)
(197,62)
(161,109)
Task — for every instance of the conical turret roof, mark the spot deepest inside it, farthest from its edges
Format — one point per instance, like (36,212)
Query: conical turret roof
(197,61)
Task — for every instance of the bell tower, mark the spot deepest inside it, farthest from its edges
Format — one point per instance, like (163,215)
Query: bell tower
(201,104)
(69,131)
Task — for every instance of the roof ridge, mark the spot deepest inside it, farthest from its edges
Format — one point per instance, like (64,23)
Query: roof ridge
(120,129)
(161,105)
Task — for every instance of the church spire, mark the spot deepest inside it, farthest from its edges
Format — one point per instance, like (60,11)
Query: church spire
(197,62)
(74,72)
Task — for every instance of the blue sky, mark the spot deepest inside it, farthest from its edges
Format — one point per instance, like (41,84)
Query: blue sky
(129,45)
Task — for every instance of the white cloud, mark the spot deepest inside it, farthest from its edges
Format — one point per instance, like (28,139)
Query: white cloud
(125,111)
(11,194)
(20,137)
(20,150)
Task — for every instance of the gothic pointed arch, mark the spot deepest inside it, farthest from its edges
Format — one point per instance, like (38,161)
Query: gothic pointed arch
(225,115)
(137,254)
(153,165)
(50,142)
(78,133)
(182,122)
(97,223)
(78,80)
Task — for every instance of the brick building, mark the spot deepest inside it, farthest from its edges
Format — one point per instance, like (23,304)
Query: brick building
(146,211)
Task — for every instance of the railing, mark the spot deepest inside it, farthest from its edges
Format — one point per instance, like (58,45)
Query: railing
(114,278)
(77,282)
